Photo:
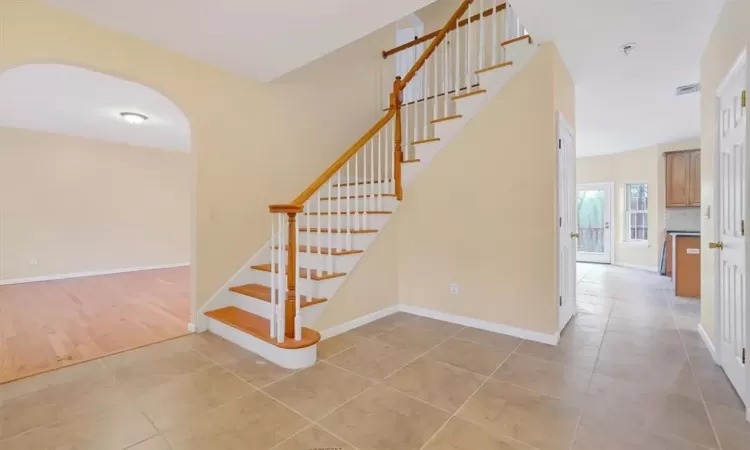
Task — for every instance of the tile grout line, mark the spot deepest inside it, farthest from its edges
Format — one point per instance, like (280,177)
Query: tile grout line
(427,442)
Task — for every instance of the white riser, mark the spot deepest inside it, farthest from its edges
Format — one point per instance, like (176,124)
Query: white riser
(375,203)
(263,308)
(341,263)
(359,241)
(369,188)
(354,221)
(310,288)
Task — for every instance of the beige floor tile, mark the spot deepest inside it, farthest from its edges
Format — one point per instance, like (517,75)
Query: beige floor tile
(412,339)
(441,385)
(598,435)
(383,419)
(547,377)
(258,371)
(436,326)
(375,328)
(581,356)
(716,387)
(337,344)
(685,418)
(532,418)
(218,349)
(313,438)
(150,366)
(500,342)
(79,390)
(479,358)
(318,390)
(155,443)
(731,427)
(110,430)
(621,401)
(676,378)
(460,434)
(189,395)
(254,422)
(372,359)
(399,318)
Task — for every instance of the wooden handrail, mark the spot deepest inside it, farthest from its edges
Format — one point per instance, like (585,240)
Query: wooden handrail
(339,163)
(451,24)
(427,37)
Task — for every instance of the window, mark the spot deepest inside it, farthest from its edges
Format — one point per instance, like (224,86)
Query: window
(636,212)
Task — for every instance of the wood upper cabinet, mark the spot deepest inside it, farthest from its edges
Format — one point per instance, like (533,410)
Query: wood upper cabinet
(683,179)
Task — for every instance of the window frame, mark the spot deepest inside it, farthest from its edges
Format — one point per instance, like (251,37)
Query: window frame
(628,213)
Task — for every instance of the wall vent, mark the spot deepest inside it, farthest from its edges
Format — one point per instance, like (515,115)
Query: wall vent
(688,89)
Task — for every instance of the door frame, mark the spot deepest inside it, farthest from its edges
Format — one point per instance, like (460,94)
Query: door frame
(716,214)
(562,124)
(610,185)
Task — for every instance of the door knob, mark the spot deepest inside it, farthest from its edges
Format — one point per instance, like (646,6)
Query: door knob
(575,235)
(719,245)
(606,225)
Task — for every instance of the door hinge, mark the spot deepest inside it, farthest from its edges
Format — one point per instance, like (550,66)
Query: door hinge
(561,300)
(559,143)
(560,222)
(744,99)
(743,356)
(742,227)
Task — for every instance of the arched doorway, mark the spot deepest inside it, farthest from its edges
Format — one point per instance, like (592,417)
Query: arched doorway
(96,214)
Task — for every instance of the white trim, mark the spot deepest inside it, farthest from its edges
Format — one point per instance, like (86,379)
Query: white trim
(93,273)
(637,266)
(611,199)
(358,322)
(707,341)
(551,339)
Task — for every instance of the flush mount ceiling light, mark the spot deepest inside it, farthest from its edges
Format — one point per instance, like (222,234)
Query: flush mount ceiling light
(133,118)
(627,48)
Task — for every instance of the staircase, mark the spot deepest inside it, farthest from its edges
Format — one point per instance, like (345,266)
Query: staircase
(318,238)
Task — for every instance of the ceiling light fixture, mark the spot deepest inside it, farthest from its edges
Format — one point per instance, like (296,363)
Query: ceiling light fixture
(627,48)
(134,118)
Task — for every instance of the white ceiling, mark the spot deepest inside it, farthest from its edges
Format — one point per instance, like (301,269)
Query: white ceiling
(77,102)
(262,39)
(624,103)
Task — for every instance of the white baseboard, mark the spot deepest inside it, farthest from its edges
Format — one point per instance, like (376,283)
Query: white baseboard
(494,327)
(708,342)
(358,322)
(637,266)
(92,273)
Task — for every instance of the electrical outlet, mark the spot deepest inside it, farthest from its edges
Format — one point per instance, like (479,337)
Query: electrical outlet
(33,261)
(454,288)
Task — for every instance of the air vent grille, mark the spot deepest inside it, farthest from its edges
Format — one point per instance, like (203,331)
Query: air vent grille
(688,89)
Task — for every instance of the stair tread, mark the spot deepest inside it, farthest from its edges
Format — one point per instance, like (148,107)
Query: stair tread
(302,272)
(444,119)
(358,196)
(411,161)
(259,327)
(336,230)
(469,94)
(425,141)
(324,250)
(345,213)
(496,66)
(519,38)
(263,293)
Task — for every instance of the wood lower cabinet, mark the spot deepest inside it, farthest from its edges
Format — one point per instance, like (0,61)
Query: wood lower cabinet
(683,181)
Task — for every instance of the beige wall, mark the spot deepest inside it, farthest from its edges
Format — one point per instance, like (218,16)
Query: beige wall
(80,205)
(728,39)
(494,232)
(252,143)
(639,165)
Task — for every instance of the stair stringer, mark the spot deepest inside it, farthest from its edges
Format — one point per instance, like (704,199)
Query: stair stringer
(520,53)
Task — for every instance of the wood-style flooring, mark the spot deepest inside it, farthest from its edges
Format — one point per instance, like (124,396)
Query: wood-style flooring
(52,324)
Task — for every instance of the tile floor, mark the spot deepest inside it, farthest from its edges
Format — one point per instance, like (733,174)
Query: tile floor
(629,373)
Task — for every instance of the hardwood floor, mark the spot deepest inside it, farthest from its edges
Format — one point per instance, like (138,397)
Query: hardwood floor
(52,324)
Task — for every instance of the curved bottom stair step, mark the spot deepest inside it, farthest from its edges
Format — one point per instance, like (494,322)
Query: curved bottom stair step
(259,327)
(260,292)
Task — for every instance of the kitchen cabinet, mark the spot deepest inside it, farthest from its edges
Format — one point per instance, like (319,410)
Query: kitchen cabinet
(683,180)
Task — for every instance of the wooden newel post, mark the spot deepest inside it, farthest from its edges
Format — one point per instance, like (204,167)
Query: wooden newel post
(291,277)
(398,156)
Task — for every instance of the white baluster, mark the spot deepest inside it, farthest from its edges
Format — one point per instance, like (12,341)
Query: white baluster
(308,247)
(357,212)
(457,81)
(494,17)
(349,201)
(405,113)
(330,225)
(281,281)
(338,210)
(415,133)
(480,63)
(380,170)
(446,76)
(372,174)
(424,99)
(297,317)
(319,241)
(435,90)
(272,322)
(468,51)
(392,153)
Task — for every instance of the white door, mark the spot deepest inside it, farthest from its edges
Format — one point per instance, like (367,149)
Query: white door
(594,217)
(732,267)
(567,222)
